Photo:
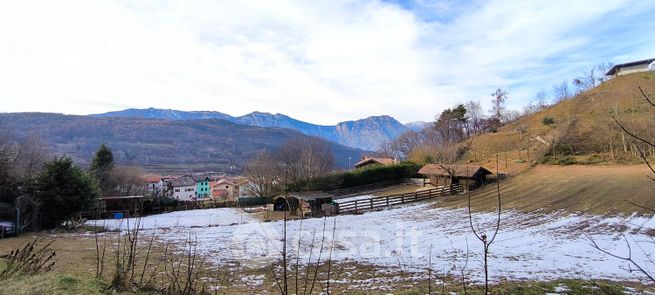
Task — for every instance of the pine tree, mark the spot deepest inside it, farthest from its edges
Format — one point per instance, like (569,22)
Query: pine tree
(62,191)
(101,166)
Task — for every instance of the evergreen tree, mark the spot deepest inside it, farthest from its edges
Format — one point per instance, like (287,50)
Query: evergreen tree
(101,166)
(62,191)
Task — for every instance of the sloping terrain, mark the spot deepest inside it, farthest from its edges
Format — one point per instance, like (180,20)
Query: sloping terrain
(367,134)
(159,145)
(582,128)
(587,189)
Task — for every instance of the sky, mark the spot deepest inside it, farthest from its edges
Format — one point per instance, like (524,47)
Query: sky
(317,61)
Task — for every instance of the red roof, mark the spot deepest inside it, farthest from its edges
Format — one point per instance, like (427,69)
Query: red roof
(153,178)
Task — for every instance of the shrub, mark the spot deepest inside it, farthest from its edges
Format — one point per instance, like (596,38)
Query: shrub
(29,260)
(548,121)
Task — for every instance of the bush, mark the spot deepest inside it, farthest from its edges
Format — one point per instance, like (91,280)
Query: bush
(559,160)
(548,121)
(358,177)
(63,191)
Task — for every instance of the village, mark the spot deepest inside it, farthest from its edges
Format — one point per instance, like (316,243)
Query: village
(388,147)
(213,190)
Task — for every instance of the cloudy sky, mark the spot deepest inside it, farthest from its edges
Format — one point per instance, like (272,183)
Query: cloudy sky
(318,61)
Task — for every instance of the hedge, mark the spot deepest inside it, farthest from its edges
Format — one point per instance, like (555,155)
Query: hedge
(358,177)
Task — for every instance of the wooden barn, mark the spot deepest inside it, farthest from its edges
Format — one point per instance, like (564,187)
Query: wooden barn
(445,175)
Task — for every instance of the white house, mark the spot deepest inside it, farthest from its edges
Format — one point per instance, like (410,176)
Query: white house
(184,189)
(632,67)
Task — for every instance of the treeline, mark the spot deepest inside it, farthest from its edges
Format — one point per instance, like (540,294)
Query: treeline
(438,141)
(42,191)
(305,164)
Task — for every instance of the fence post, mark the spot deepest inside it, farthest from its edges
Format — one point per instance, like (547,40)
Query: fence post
(402,199)
(356,205)
(387,201)
(430,194)
(371,203)
(415,196)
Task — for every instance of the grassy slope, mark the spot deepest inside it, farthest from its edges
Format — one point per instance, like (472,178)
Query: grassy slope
(592,110)
(588,189)
(591,189)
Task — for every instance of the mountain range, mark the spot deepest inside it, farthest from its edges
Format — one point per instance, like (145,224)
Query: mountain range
(366,134)
(160,145)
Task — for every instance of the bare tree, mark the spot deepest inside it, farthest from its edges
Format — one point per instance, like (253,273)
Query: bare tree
(263,172)
(401,147)
(561,91)
(30,156)
(306,158)
(645,270)
(498,103)
(486,241)
(474,117)
(125,181)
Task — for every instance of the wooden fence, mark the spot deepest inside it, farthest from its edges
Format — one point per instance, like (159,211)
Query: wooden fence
(375,203)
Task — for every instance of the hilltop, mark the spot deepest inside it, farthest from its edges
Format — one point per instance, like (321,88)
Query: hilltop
(366,134)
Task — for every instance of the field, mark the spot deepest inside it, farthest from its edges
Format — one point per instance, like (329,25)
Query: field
(391,245)
(597,190)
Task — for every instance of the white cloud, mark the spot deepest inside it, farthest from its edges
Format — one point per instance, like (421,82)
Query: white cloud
(321,62)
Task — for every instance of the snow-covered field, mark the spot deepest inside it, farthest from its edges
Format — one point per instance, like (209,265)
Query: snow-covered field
(528,246)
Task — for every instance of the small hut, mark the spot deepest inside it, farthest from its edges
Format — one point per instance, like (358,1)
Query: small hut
(445,175)
(119,207)
(314,203)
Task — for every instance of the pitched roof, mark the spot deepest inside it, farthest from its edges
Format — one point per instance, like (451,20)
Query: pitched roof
(200,177)
(183,181)
(311,195)
(153,178)
(368,160)
(615,68)
(457,170)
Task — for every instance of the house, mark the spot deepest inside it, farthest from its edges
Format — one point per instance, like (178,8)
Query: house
(371,161)
(632,67)
(444,175)
(184,189)
(153,183)
(203,190)
(228,189)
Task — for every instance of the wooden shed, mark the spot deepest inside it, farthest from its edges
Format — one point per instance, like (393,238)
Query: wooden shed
(126,206)
(445,175)
(314,203)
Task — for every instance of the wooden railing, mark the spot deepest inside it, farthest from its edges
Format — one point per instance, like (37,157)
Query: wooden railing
(374,203)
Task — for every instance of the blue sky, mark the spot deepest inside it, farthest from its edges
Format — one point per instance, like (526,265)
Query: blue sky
(318,61)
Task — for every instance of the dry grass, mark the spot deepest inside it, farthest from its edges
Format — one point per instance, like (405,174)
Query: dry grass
(587,189)
(592,112)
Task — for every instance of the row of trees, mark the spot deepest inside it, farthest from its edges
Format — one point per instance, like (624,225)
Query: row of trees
(300,158)
(39,190)
(437,142)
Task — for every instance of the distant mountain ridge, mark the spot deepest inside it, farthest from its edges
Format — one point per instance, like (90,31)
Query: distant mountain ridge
(366,134)
(160,145)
